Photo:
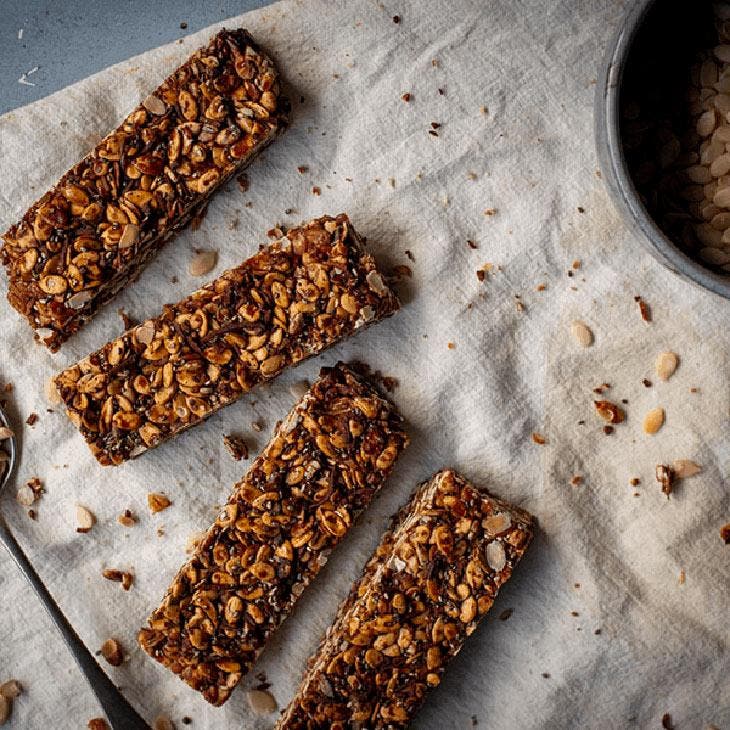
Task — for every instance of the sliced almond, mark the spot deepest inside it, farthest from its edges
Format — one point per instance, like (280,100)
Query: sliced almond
(203,263)
(6,707)
(52,394)
(665,365)
(11,689)
(496,557)
(685,468)
(25,496)
(261,702)
(84,518)
(653,420)
(582,333)
(154,105)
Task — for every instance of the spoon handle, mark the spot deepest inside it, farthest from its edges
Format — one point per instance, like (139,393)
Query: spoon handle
(120,714)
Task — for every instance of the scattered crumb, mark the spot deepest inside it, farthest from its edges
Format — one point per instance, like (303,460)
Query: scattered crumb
(597,632)
(646,382)
(576,264)
(98,723)
(406,97)
(541,287)
(316,190)
(581,209)
(546,675)
(396,19)
(665,476)
(634,481)
(118,576)
(538,438)
(236,447)
(257,426)
(667,721)
(725,533)
(113,652)
(32,419)
(609,411)
(157,502)
(483,111)
(576,480)
(608,430)
(451,345)
(644,309)
(302,169)
(490,211)
(243,182)
(682,577)
(127,519)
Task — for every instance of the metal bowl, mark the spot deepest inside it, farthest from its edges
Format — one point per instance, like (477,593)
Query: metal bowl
(613,159)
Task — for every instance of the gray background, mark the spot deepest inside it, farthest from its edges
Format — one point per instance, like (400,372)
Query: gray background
(70,39)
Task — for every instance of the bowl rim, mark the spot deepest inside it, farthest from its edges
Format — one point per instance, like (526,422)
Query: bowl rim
(614,165)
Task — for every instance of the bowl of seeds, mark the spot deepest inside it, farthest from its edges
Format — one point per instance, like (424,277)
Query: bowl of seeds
(663,133)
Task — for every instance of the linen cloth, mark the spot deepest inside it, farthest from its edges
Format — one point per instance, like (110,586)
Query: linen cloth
(516,140)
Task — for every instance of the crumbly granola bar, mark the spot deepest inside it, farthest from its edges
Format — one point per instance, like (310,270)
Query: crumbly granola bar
(94,231)
(297,296)
(432,578)
(323,466)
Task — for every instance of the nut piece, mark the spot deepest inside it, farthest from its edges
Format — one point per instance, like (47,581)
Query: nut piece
(25,496)
(609,411)
(684,468)
(98,723)
(113,652)
(6,708)
(203,262)
(666,364)
(11,689)
(157,502)
(118,576)
(725,533)
(653,420)
(154,105)
(127,519)
(236,447)
(261,702)
(163,722)
(84,518)
(582,333)
(665,476)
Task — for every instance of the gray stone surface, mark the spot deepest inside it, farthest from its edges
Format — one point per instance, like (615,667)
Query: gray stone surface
(71,39)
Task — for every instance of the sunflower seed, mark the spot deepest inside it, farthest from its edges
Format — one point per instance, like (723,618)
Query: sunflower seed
(203,263)
(653,420)
(582,333)
(261,702)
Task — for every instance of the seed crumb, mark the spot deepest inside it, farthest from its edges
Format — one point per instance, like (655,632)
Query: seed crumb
(490,211)
(646,382)
(608,430)
(157,502)
(316,190)
(653,420)
(396,19)
(406,97)
(538,438)
(644,309)
(113,652)
(682,577)
(725,533)
(576,480)
(302,169)
(634,481)
(665,476)
(451,346)
(609,411)
(127,519)
(32,419)
(236,446)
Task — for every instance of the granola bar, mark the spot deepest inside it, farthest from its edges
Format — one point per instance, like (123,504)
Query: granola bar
(94,231)
(301,294)
(322,467)
(424,590)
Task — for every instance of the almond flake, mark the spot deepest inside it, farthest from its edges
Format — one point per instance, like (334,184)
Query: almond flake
(496,557)
(84,518)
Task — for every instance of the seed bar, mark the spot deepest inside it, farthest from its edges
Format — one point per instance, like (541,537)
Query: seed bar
(96,229)
(296,297)
(433,577)
(323,466)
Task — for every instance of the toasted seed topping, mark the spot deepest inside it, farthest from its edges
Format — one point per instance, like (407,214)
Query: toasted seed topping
(113,652)
(84,519)
(157,502)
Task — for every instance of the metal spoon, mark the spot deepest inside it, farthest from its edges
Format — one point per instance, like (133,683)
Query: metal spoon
(119,712)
